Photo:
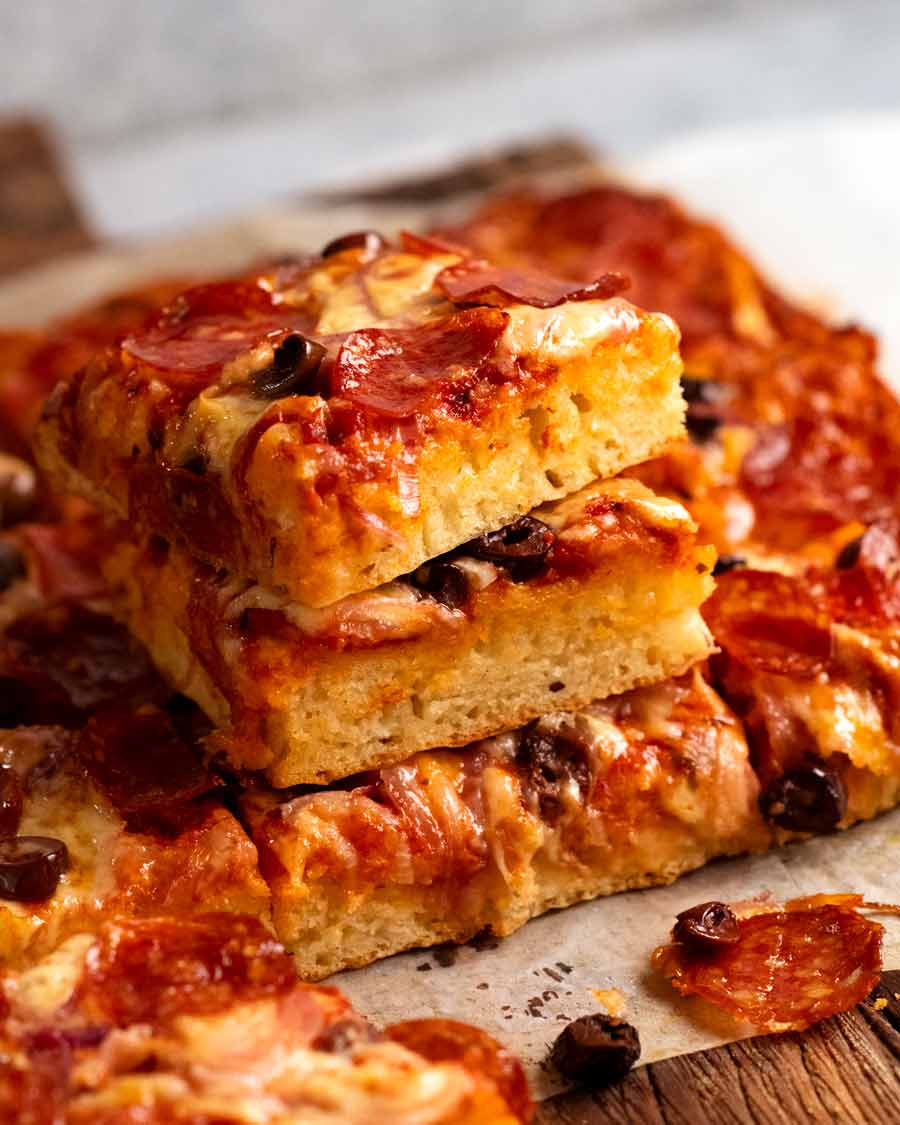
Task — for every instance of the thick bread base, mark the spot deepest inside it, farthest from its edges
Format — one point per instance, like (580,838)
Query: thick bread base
(332,930)
(604,412)
(332,933)
(307,714)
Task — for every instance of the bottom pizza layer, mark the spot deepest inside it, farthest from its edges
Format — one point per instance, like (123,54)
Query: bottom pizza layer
(168,1020)
(630,792)
(627,793)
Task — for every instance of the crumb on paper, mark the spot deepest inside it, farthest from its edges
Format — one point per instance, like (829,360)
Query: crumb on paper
(611,1000)
(880,1004)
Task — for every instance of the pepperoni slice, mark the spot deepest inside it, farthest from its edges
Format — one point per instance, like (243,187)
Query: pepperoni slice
(864,589)
(790,967)
(440,1040)
(479,283)
(394,372)
(770,623)
(209,326)
(138,759)
(152,970)
(64,660)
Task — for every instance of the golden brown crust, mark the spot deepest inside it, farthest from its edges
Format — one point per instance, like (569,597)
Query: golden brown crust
(419,426)
(627,793)
(315,695)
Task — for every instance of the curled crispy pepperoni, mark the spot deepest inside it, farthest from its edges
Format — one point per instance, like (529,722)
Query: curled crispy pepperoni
(439,1040)
(864,589)
(790,967)
(394,372)
(209,326)
(152,970)
(480,283)
(139,760)
(770,623)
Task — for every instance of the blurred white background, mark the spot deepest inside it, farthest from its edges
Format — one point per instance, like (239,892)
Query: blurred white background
(181,110)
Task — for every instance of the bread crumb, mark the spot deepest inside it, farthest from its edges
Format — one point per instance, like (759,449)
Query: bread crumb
(611,999)
(880,1003)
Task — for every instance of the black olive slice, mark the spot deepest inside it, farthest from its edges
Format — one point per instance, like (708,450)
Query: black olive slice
(809,798)
(368,240)
(520,548)
(596,1050)
(707,927)
(293,370)
(31,866)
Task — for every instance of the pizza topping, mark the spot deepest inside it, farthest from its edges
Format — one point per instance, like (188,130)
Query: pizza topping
(480,283)
(293,370)
(31,866)
(707,926)
(725,563)
(864,588)
(809,798)
(770,622)
(393,372)
(703,398)
(346,1035)
(790,966)
(447,1041)
(138,759)
(520,548)
(18,490)
(848,555)
(12,564)
(156,969)
(64,660)
(553,764)
(207,327)
(444,581)
(596,1050)
(10,801)
(369,241)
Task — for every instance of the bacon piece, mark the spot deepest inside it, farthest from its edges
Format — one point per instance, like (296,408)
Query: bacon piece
(154,970)
(770,623)
(440,1040)
(138,759)
(791,966)
(393,372)
(480,283)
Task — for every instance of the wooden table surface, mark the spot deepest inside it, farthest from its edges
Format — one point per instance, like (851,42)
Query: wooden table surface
(846,1069)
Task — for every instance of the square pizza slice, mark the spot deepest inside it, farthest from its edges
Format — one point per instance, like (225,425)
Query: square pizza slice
(327,425)
(178,1020)
(626,793)
(587,596)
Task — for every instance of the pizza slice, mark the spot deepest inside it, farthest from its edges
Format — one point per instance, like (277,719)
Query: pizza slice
(585,597)
(328,425)
(626,793)
(105,803)
(174,1020)
(810,659)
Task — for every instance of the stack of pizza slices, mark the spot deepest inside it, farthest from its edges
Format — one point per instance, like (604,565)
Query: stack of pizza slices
(377,598)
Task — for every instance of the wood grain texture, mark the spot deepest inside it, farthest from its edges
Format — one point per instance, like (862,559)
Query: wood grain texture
(39,218)
(846,1069)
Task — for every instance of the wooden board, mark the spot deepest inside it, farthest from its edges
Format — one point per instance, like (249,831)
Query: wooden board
(846,1069)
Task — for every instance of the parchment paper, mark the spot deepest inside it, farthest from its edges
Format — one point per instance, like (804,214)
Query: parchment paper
(528,986)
